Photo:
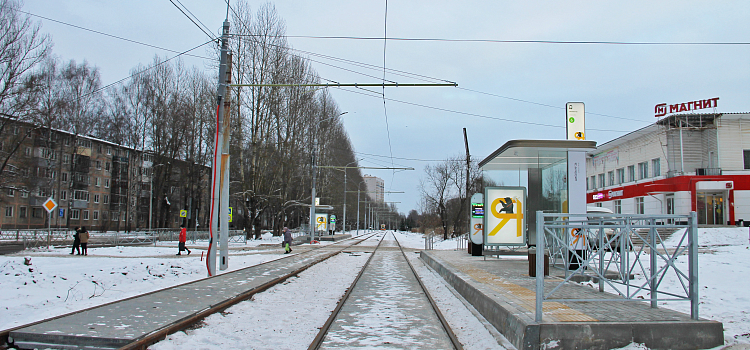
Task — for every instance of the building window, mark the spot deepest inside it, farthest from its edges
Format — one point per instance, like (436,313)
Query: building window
(98,181)
(22,212)
(99,164)
(106,183)
(96,215)
(9,211)
(642,170)
(11,192)
(593,182)
(66,158)
(36,212)
(107,166)
(63,195)
(656,166)
(109,151)
(631,173)
(81,195)
(106,199)
(27,152)
(99,149)
(611,178)
(96,198)
(618,206)
(621,175)
(85,214)
(24,193)
(587,184)
(601,180)
(64,177)
(640,207)
(115,216)
(75,214)
(43,192)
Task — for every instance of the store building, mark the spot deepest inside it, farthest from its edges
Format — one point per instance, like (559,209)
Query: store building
(681,163)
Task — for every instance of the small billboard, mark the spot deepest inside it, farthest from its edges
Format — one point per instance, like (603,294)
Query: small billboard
(505,220)
(321,222)
(476,221)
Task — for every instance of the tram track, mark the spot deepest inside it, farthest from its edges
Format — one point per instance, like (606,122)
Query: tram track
(6,339)
(320,340)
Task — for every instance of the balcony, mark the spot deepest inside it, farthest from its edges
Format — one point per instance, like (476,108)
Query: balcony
(708,171)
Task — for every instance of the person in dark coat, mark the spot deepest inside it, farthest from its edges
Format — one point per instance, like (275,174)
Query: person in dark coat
(84,240)
(287,240)
(76,241)
(182,239)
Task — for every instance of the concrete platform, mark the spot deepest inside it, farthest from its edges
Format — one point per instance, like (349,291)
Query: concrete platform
(122,322)
(502,291)
(335,238)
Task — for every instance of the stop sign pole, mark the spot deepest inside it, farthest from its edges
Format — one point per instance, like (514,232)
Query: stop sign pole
(50,206)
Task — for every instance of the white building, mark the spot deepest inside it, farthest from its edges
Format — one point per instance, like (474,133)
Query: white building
(682,163)
(375,188)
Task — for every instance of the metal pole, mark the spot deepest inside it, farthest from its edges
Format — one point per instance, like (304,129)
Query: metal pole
(693,264)
(652,258)
(343,227)
(151,200)
(357,210)
(539,265)
(312,200)
(216,186)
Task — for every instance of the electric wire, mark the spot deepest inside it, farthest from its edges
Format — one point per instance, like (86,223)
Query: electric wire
(191,20)
(385,109)
(110,35)
(196,18)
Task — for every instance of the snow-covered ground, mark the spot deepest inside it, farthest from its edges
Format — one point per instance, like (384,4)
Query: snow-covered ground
(57,283)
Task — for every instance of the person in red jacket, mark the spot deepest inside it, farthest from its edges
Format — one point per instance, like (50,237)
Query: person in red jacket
(183,239)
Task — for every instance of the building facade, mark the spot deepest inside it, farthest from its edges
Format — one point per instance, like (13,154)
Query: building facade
(96,183)
(375,188)
(682,163)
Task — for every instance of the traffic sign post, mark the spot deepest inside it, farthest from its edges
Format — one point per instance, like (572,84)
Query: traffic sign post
(49,205)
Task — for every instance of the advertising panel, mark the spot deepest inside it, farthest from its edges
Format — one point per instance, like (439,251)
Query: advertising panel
(575,121)
(505,221)
(321,222)
(476,222)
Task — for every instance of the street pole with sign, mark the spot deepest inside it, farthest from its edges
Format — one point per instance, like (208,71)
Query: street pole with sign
(50,206)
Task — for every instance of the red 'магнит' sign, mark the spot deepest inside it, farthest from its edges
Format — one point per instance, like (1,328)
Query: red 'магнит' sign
(661,109)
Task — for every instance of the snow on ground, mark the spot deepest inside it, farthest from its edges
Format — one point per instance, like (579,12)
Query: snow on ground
(57,283)
(286,316)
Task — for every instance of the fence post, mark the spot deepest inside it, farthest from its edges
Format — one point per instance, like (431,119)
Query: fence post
(603,240)
(693,264)
(540,237)
(652,258)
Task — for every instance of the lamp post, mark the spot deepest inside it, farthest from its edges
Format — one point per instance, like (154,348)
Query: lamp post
(314,171)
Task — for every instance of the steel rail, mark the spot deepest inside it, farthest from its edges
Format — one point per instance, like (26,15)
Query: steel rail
(443,321)
(327,325)
(190,320)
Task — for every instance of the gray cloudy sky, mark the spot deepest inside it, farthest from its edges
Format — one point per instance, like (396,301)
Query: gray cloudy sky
(620,84)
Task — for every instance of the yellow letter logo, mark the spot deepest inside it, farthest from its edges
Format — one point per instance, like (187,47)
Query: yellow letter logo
(508,205)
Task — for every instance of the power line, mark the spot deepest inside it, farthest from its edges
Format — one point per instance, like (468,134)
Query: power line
(196,18)
(500,41)
(191,20)
(109,35)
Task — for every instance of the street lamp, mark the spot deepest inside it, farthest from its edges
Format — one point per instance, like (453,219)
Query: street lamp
(314,171)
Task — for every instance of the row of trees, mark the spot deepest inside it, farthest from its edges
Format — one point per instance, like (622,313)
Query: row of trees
(168,110)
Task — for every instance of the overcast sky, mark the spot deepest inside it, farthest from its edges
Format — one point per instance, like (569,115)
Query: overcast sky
(620,84)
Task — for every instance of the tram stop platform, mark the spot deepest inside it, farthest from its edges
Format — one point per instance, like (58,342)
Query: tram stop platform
(502,291)
(328,238)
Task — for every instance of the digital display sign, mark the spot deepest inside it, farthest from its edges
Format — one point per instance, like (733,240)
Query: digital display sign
(477,210)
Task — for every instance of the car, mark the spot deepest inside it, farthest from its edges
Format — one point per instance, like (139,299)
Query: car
(601,216)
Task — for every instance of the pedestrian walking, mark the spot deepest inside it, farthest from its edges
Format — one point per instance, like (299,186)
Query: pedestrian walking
(84,234)
(76,241)
(183,238)
(287,240)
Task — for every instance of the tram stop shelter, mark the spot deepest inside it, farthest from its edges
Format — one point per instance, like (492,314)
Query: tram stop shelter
(555,174)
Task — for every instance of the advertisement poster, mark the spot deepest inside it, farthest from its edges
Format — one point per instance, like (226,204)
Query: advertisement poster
(505,219)
(476,221)
(321,222)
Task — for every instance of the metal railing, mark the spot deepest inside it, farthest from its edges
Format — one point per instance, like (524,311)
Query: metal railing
(592,244)
(462,242)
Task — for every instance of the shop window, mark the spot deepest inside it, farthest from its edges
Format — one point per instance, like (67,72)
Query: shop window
(656,166)
(640,207)
(618,206)
(631,173)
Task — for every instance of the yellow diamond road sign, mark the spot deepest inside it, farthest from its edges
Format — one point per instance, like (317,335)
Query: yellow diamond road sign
(50,205)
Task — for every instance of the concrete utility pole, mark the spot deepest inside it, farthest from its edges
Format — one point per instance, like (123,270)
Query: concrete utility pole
(220,178)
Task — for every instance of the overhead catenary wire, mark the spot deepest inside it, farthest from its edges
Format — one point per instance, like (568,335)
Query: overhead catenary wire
(196,18)
(192,20)
(111,35)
